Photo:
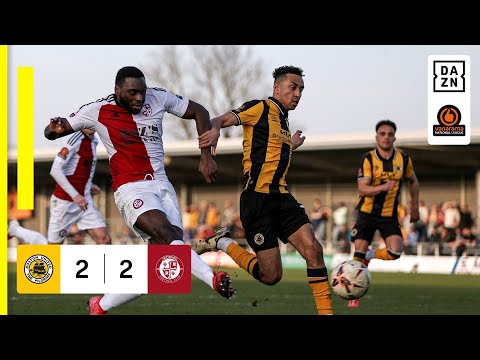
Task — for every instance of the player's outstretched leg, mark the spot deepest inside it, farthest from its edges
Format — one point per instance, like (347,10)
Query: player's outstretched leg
(29,236)
(210,243)
(100,305)
(94,306)
(220,282)
(223,285)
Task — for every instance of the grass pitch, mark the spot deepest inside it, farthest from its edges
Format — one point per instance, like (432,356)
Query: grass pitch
(389,294)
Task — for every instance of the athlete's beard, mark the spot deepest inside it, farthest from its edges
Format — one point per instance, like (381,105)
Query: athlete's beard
(124,104)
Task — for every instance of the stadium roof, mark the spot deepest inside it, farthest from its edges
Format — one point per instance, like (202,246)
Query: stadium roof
(322,157)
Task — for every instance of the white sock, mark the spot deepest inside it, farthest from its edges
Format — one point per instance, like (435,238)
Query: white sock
(369,255)
(200,268)
(223,243)
(29,236)
(109,301)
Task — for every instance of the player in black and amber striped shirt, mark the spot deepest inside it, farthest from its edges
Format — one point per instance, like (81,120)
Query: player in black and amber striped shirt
(267,210)
(380,178)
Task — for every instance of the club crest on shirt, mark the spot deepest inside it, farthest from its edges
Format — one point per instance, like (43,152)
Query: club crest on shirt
(63,153)
(147,110)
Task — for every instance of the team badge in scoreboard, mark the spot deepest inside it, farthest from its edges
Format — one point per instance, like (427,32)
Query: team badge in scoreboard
(93,269)
(449,100)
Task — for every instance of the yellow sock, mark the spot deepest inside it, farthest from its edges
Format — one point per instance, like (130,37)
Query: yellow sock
(242,257)
(386,254)
(318,281)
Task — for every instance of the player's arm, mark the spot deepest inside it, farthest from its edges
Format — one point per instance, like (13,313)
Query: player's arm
(58,174)
(208,166)
(57,128)
(414,189)
(365,189)
(210,138)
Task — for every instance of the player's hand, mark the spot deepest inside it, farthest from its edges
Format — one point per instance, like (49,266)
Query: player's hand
(389,185)
(57,125)
(208,168)
(414,215)
(209,139)
(297,139)
(81,202)
(95,189)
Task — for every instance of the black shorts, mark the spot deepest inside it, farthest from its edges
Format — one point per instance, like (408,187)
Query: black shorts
(269,217)
(367,224)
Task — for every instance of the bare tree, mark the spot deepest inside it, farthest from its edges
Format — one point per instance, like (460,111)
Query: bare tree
(220,77)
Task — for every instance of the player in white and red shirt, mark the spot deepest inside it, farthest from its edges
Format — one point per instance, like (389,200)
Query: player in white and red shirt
(129,123)
(71,202)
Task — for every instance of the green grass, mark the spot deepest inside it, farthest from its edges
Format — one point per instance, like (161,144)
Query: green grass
(389,294)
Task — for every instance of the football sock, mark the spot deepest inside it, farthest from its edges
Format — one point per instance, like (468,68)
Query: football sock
(29,236)
(386,254)
(109,301)
(360,256)
(200,268)
(318,281)
(246,260)
(223,243)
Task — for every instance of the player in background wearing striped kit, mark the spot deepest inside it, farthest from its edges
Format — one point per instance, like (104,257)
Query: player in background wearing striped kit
(71,202)
(380,177)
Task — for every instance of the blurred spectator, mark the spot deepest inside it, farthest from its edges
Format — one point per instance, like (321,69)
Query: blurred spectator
(467,236)
(319,217)
(228,215)
(202,213)
(432,219)
(466,218)
(213,216)
(343,240)
(411,241)
(236,229)
(422,223)
(188,227)
(435,235)
(340,219)
(452,220)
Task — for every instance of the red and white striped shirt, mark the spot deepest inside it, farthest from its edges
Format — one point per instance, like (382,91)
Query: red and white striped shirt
(133,142)
(74,166)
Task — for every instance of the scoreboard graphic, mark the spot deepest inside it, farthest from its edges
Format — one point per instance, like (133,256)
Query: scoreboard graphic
(92,269)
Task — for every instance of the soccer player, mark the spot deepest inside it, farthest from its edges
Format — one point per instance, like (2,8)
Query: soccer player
(71,202)
(267,209)
(129,123)
(380,177)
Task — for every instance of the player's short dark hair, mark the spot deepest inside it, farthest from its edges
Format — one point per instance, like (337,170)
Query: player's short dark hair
(386,122)
(126,72)
(281,71)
